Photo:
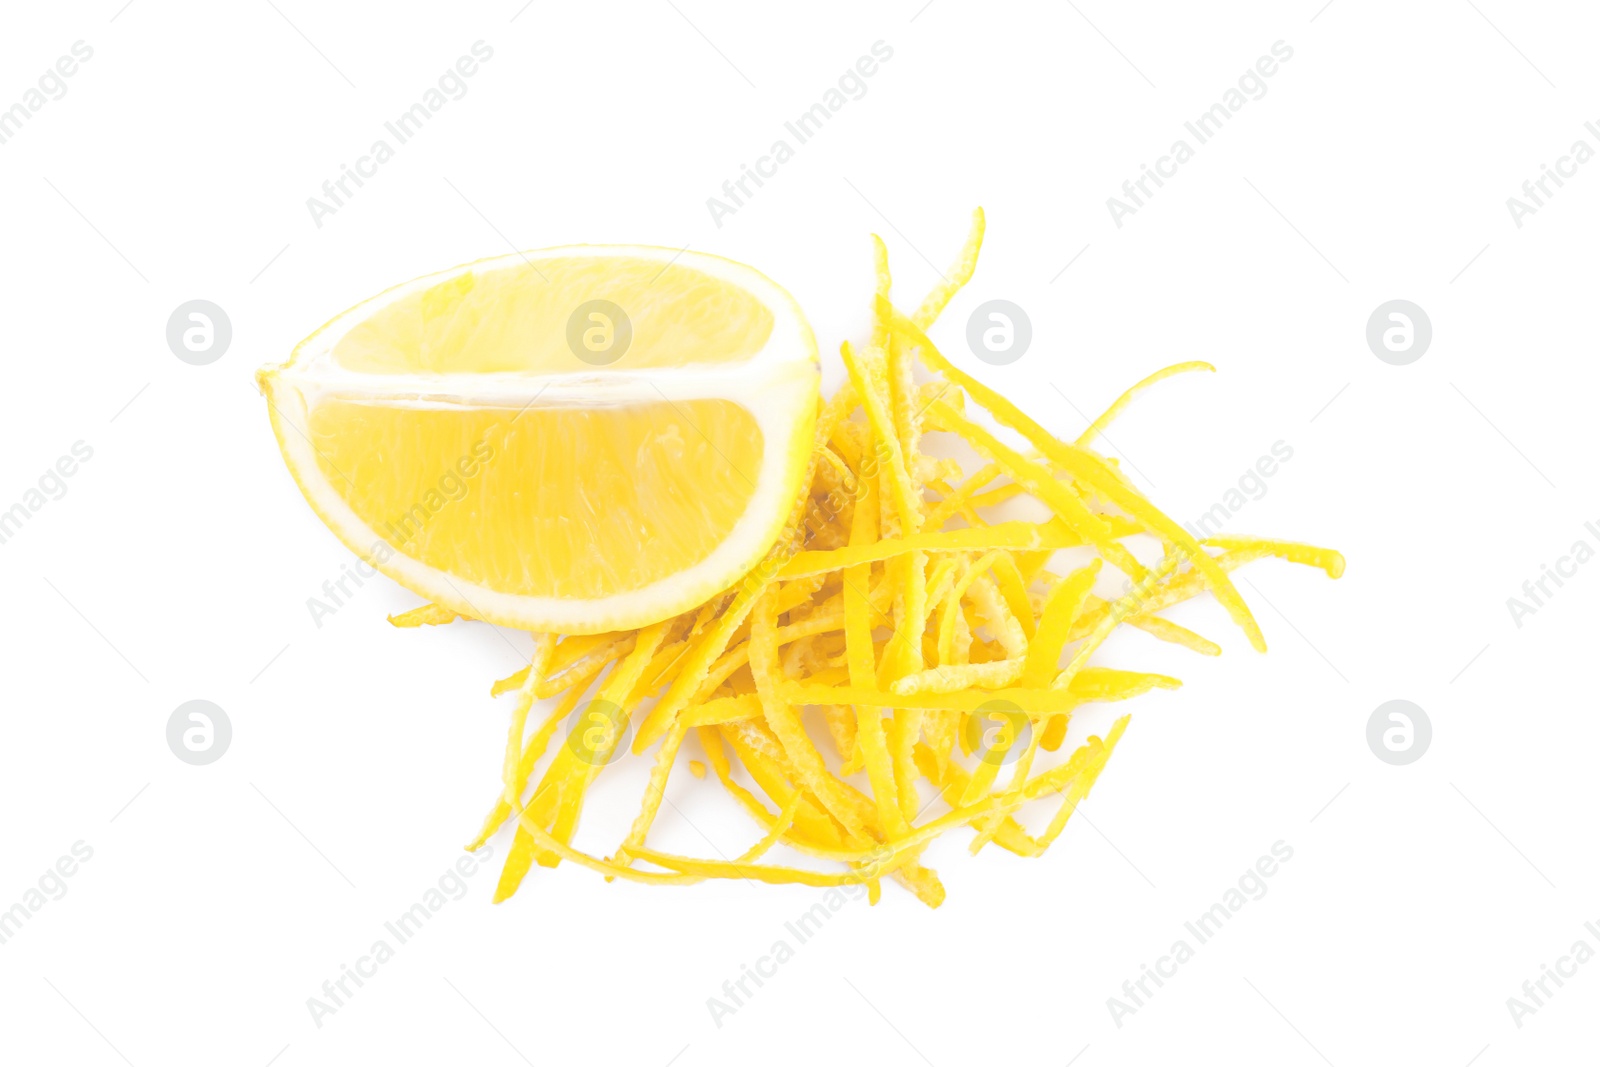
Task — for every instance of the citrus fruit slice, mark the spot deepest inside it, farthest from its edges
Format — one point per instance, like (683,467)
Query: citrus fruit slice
(578,439)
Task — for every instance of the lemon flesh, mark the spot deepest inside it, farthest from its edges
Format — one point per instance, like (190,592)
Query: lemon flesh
(515,319)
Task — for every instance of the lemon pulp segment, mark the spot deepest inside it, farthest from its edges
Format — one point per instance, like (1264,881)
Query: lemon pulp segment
(569,502)
(516,319)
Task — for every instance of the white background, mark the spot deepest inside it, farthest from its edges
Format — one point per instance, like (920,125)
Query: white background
(178,564)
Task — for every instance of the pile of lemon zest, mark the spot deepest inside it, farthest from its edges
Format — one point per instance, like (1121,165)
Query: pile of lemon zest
(902,630)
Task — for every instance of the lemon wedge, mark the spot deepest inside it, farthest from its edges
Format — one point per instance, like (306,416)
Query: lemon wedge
(579,439)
